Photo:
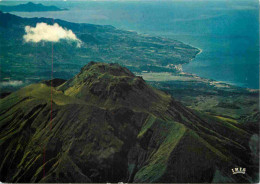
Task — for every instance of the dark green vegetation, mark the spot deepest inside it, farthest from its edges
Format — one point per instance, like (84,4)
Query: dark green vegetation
(31,62)
(110,126)
(29,7)
(215,98)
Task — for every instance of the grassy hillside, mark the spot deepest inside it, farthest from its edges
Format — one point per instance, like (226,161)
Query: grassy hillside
(108,126)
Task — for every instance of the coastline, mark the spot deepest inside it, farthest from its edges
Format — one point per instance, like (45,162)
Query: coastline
(225,83)
(200,51)
(185,74)
(191,77)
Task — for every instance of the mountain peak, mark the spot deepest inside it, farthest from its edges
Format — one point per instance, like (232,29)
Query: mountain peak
(111,84)
(30,3)
(113,69)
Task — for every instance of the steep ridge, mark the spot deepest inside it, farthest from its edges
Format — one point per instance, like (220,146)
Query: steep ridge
(110,126)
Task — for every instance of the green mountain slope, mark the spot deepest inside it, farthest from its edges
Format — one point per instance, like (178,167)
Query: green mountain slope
(110,126)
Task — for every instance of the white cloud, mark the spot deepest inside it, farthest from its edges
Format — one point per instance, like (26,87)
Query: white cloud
(13,83)
(49,33)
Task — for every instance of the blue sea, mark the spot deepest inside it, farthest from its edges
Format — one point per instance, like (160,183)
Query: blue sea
(226,30)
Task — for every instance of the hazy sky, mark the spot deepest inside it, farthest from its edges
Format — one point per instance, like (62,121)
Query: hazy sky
(124,0)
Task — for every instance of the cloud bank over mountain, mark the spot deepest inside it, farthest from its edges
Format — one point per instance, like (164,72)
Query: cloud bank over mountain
(49,33)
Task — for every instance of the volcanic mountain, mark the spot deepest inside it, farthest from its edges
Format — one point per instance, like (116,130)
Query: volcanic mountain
(107,125)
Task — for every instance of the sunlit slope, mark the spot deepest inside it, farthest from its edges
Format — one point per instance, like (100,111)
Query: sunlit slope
(109,126)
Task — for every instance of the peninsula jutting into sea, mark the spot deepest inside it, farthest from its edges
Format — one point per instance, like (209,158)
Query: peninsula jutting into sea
(94,103)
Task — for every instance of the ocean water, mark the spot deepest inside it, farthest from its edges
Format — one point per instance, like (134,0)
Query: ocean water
(226,30)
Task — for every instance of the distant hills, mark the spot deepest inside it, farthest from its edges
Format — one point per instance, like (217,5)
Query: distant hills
(30,7)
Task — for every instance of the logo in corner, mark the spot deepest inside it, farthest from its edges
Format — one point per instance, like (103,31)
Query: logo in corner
(238,170)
